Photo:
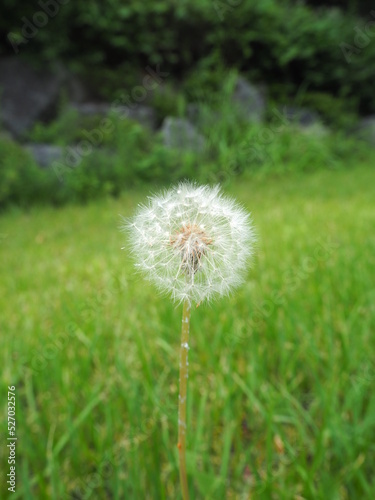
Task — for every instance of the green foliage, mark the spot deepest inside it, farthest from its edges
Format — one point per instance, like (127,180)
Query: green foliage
(294,46)
(127,158)
(62,131)
(22,182)
(281,393)
(71,127)
(167,101)
(104,156)
(336,112)
(277,42)
(210,78)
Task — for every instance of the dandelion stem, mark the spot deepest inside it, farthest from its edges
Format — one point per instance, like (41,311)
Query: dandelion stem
(182,398)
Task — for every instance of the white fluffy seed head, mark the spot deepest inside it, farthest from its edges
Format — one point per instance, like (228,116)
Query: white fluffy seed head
(192,242)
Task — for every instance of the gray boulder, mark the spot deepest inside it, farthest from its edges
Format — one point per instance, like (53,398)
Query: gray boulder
(249,101)
(45,154)
(74,87)
(145,115)
(193,112)
(92,108)
(27,95)
(178,133)
(301,116)
(142,114)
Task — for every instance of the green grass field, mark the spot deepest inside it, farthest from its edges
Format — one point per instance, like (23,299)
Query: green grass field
(281,401)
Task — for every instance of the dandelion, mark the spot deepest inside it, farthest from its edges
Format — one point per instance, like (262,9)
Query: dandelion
(193,243)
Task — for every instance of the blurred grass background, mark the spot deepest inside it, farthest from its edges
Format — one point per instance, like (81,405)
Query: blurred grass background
(281,386)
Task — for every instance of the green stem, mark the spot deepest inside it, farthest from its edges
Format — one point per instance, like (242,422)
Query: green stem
(182,398)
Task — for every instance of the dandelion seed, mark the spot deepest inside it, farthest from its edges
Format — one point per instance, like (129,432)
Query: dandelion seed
(194,243)
(201,242)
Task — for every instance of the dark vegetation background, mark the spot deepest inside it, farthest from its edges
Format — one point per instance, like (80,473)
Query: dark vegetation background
(313,54)
(284,43)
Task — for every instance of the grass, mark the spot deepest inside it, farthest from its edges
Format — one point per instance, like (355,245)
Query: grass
(281,398)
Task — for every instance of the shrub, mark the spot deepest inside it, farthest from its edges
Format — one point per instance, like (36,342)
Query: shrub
(282,43)
(130,155)
(22,181)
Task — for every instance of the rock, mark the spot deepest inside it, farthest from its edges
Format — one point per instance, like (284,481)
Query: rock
(45,154)
(144,115)
(249,101)
(365,130)
(193,112)
(74,87)
(316,129)
(300,116)
(27,95)
(179,133)
(92,108)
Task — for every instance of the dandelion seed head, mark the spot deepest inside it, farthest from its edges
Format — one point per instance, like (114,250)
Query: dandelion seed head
(192,242)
